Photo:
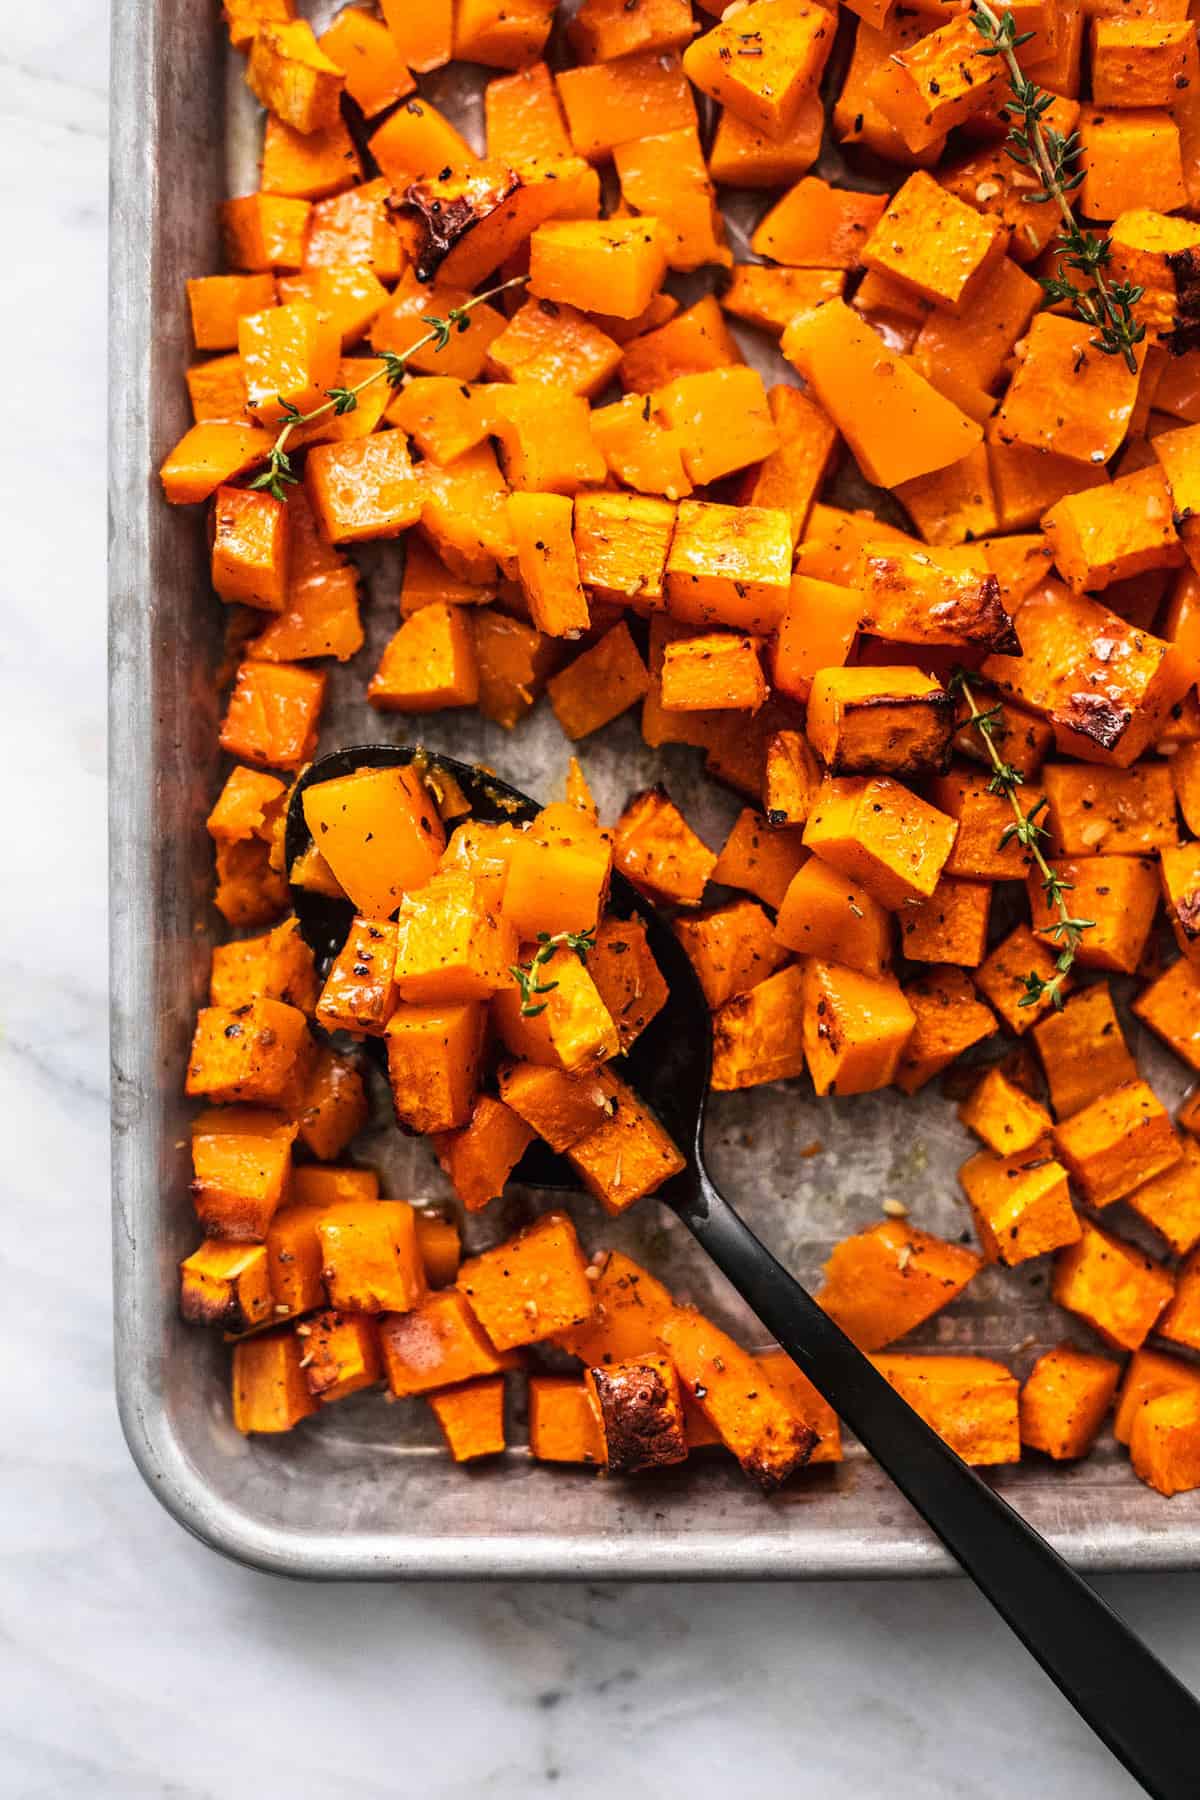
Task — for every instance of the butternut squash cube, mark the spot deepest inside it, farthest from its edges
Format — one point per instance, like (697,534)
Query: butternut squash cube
(560,1108)
(613,103)
(269,1390)
(826,915)
(984,849)
(1117,894)
(895,422)
(743,156)
(542,530)
(352,230)
(264,231)
(658,851)
(1021,1204)
(1170,1201)
(273,714)
(949,1019)
(567,1025)
(600,685)
(563,1426)
(816,226)
(611,265)
(951,926)
(759,1422)
(1065,1399)
(627,1156)
(259,1054)
(627,977)
(523,117)
(1180,871)
(1118,1142)
(434,1054)
(1114,533)
(334,1107)
(936,83)
(470,219)
(1114,146)
(360,993)
(481,1155)
(630,1306)
(937,596)
(438,1344)
(934,243)
(526,1290)
(885,1281)
(970,1401)
(450,945)
(323,1188)
(696,341)
(641,1414)
(363,489)
(1169,1006)
(554,346)
(440,1246)
(1013,979)
(249,548)
(770,298)
(558,874)
(817,631)
(759,858)
(308,165)
(429,664)
(791,779)
(895,719)
(1153,251)
(720,419)
(876,831)
(854,1027)
(340,1354)
(292,76)
(641,452)
(347,300)
(1164,1443)
(790,476)
(758,1036)
(1122,812)
(241,1162)
(362,45)
(1009,1120)
(217,302)
(1115,1287)
(715,671)
(379,831)
(762,63)
(664,177)
(732,948)
(403,323)
(729,565)
(210,454)
(1065,397)
(226,1285)
(472,1418)
(371,1260)
(217,392)
(276,966)
(415,141)
(1149,1373)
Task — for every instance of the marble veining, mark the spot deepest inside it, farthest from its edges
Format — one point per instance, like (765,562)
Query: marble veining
(135,1665)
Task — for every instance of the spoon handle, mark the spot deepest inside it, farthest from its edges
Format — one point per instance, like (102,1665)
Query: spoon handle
(1147,1718)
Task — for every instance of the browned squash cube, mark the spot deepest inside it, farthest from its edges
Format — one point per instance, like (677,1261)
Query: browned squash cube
(659,852)
(628,1155)
(951,926)
(854,1027)
(1021,1204)
(949,1019)
(339,1354)
(434,1054)
(241,1163)
(1170,1006)
(758,1036)
(1083,1050)
(630,1306)
(894,720)
(481,1155)
(1170,1201)
(531,1287)
(260,1053)
(1009,1120)
(226,1285)
(371,1260)
(627,978)
(762,1426)
(438,1344)
(641,1414)
(1117,894)
(360,990)
(880,833)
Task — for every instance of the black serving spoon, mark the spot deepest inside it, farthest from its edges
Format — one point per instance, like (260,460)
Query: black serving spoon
(1147,1718)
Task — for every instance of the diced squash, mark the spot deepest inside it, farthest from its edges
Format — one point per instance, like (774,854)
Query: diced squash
(601,684)
(732,948)
(434,1054)
(627,977)
(437,1344)
(225,1284)
(1170,1006)
(1119,897)
(1164,1442)
(1115,1287)
(362,46)
(762,61)
(481,1155)
(1149,1373)
(612,265)
(259,1054)
(970,1401)
(612,103)
(729,565)
(379,831)
(526,1290)
(720,419)
(242,1163)
(293,77)
(760,1423)
(340,1354)
(1020,1204)
(659,852)
(1009,1120)
(563,1426)
(1065,1399)
(855,1028)
(269,1390)
(945,596)
(817,632)
(627,1156)
(826,915)
(949,1019)
(1170,1200)
(951,926)
(758,1036)
(1065,397)
(873,719)
(334,1107)
(565,1024)
(878,832)
(472,1418)
(884,1282)
(429,664)
(371,1262)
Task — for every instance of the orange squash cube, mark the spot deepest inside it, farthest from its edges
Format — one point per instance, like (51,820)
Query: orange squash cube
(732,948)
(259,1054)
(611,265)
(292,76)
(523,117)
(481,1155)
(761,1423)
(434,1053)
(970,1401)
(363,489)
(225,1284)
(359,993)
(1065,398)
(951,926)
(936,83)
(417,141)
(371,1260)
(613,103)
(209,455)
(1170,1201)
(334,1107)
(308,165)
(627,977)
(542,531)
(472,1418)
(276,966)
(627,1156)
(949,1019)
(563,1425)
(1009,1120)
(353,230)
(1116,1288)
(1065,1399)
(893,719)
(1117,1142)
(720,419)
(729,565)
(217,302)
(1169,1006)
(526,1290)
(1013,979)
(1164,1442)
(816,632)
(600,685)
(565,1024)
(249,548)
(450,946)
(265,231)
(876,831)
(1021,1204)
(824,914)
(340,1354)
(273,714)
(855,1028)
(269,1390)
(762,62)
(758,1036)
(889,1279)
(429,664)
(379,831)
(558,874)
(362,46)
(438,1344)
(241,1162)
(1117,894)
(560,1108)
(440,1246)
(658,851)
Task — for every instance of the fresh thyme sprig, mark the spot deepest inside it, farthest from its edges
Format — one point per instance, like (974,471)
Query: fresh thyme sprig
(1067,931)
(280,473)
(581,942)
(1106,306)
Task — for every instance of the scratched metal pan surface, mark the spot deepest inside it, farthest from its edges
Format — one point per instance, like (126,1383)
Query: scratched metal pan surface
(366,1490)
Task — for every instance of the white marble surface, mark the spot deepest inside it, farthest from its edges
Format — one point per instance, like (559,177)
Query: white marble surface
(135,1664)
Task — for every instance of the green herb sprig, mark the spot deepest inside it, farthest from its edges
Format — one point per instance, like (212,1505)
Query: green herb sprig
(280,473)
(1067,931)
(1054,158)
(581,942)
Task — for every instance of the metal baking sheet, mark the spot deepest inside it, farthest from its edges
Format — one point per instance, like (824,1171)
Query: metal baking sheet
(366,1490)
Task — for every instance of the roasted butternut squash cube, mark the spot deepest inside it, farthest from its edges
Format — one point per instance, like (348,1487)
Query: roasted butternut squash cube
(564,1024)
(360,990)
(612,265)
(259,1053)
(816,226)
(876,831)
(732,948)
(241,1163)
(627,978)
(269,1390)
(210,454)
(1009,1120)
(790,476)
(1169,1007)
(248,891)
(758,1421)
(894,719)
(1015,977)
(621,542)
(347,299)
(896,423)
(641,1413)
(1179,867)
(1125,812)
(292,76)
(824,914)
(787,1379)
(1021,1204)
(352,230)
(854,1028)
(1118,895)
(249,549)
(260,231)
(1118,1142)
(758,1036)
(379,831)
(1065,1399)
(936,83)
(438,1344)
(627,1156)
(217,391)
(277,966)
(951,926)
(217,302)
(481,1155)
(429,664)
(371,1262)
(644,454)
(314,1186)
(526,1290)
(949,1019)
(362,45)
(1152,250)
(273,714)
(471,218)
(554,346)
(760,858)
(612,103)
(558,874)
(762,63)
(563,1426)
(603,29)
(434,1054)
(695,341)
(791,778)
(984,848)
(1164,1442)
(1116,143)
(1149,1373)
(1115,1287)
(415,141)
(550,575)
(770,298)
(289,357)
(1114,533)
(472,1418)
(887,1280)
(934,243)
(334,1107)
(403,325)
(560,1108)
(514,660)
(656,848)
(523,117)
(817,631)
(714,671)
(364,488)
(444,418)
(1065,397)
(970,1401)
(935,596)
(743,156)
(720,419)
(226,1285)
(664,176)
(1170,1201)
(601,684)
(340,1354)
(729,565)
(450,944)
(630,1306)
